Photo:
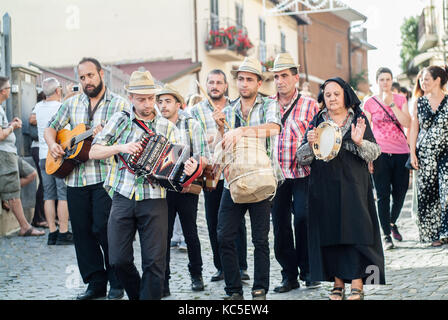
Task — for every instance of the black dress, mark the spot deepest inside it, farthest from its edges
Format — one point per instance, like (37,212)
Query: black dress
(344,234)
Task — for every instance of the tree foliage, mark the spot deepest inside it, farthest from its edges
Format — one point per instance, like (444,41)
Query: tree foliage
(409,43)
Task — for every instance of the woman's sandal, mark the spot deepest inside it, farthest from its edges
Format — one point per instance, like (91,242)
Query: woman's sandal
(439,243)
(337,292)
(356,294)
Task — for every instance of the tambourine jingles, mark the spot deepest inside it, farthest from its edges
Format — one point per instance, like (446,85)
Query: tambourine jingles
(329,141)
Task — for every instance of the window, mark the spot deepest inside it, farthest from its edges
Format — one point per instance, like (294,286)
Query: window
(214,14)
(445,15)
(282,42)
(262,49)
(339,55)
(239,15)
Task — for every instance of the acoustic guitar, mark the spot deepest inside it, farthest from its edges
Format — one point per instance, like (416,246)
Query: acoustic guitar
(76,144)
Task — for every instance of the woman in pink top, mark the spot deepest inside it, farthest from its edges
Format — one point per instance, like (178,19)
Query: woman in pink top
(389,115)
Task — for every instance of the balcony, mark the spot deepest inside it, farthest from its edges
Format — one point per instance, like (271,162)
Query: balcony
(427,30)
(226,40)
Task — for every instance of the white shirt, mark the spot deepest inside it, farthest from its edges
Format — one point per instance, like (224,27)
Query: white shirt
(44,111)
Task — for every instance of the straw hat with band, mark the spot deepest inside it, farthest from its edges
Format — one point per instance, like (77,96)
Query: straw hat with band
(283,61)
(142,82)
(167,89)
(251,65)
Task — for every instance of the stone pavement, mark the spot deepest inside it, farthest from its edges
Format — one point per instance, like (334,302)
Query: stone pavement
(29,269)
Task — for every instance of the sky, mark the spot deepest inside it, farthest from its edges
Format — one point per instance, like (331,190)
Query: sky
(385,18)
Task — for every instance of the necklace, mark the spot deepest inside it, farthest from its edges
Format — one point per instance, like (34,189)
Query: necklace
(344,122)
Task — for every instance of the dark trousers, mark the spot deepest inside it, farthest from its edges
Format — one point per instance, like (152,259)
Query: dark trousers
(391,178)
(229,221)
(150,218)
(186,206)
(212,201)
(39,213)
(89,209)
(291,248)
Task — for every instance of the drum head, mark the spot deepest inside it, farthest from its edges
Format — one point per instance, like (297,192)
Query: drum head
(326,141)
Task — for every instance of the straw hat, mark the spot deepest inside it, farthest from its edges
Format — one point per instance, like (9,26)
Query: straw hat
(141,82)
(251,65)
(168,89)
(283,61)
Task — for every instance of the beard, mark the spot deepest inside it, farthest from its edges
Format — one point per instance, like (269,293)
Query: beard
(92,93)
(216,95)
(248,95)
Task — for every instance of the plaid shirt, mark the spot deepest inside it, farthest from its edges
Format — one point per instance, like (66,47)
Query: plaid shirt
(264,111)
(292,134)
(192,135)
(121,130)
(203,113)
(75,111)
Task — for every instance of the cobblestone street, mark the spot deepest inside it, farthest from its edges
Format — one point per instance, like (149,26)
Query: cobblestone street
(29,269)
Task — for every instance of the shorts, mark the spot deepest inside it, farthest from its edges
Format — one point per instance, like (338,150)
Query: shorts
(13,168)
(54,188)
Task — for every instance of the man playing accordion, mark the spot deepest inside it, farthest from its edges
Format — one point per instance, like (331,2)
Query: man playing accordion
(136,205)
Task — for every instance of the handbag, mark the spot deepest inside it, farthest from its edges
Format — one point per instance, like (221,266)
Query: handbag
(408,162)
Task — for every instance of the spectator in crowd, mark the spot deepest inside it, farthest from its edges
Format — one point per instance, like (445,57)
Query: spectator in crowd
(54,188)
(396,88)
(429,155)
(14,171)
(39,219)
(389,115)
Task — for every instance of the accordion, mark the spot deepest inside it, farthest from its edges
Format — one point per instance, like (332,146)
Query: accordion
(162,162)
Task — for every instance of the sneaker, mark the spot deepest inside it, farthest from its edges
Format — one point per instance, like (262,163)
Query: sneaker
(259,294)
(64,239)
(52,237)
(234,296)
(197,284)
(388,244)
(395,234)
(183,246)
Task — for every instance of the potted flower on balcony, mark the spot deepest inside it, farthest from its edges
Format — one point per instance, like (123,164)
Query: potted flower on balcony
(231,38)
(269,63)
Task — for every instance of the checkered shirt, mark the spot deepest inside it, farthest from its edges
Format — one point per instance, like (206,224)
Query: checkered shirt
(75,111)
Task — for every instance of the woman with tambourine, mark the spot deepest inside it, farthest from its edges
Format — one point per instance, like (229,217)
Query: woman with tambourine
(344,237)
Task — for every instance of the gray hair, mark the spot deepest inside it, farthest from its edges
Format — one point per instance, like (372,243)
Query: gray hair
(49,86)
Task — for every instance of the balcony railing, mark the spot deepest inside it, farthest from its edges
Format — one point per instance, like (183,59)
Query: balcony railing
(427,30)
(227,40)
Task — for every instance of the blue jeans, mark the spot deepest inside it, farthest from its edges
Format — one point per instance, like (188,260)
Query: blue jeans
(291,253)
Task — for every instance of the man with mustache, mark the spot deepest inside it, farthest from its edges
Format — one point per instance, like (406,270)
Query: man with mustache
(203,112)
(184,204)
(291,248)
(88,203)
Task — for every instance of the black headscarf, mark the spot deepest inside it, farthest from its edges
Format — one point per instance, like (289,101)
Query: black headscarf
(350,98)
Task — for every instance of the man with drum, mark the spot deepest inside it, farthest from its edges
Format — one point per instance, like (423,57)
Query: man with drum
(203,112)
(185,204)
(88,203)
(291,248)
(136,205)
(250,115)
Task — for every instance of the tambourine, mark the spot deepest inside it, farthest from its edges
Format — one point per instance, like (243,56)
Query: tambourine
(329,141)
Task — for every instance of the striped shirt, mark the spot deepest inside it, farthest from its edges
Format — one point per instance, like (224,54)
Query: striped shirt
(75,111)
(292,134)
(192,135)
(263,111)
(121,130)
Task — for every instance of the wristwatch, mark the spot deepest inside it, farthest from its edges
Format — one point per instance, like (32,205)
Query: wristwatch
(392,105)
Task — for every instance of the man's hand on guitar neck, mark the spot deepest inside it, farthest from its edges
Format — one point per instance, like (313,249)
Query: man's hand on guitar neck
(97,129)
